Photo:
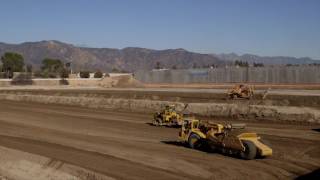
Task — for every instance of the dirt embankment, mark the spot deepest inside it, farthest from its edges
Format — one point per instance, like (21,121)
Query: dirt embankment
(295,108)
(20,165)
(275,98)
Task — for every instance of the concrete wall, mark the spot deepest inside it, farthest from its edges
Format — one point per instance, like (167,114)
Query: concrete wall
(283,74)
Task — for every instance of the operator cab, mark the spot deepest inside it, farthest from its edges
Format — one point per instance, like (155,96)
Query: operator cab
(190,123)
(169,109)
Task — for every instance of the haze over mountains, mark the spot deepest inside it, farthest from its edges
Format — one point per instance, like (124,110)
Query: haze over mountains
(270,60)
(131,58)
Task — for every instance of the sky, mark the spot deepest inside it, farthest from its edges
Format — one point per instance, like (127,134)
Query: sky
(262,27)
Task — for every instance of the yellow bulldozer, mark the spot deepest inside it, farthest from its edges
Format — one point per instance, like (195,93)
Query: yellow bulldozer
(240,91)
(168,116)
(228,139)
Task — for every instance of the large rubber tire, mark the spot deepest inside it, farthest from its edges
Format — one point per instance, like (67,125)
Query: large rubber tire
(157,122)
(250,151)
(231,96)
(194,141)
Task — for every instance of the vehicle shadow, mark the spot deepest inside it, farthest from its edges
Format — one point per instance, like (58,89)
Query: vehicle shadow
(317,129)
(312,175)
(166,126)
(205,149)
(175,143)
(181,144)
(149,123)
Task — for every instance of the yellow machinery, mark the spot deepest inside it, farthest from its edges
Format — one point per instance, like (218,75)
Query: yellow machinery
(240,91)
(168,116)
(228,139)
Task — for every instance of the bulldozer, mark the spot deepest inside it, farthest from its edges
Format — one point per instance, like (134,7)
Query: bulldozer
(240,91)
(228,139)
(168,116)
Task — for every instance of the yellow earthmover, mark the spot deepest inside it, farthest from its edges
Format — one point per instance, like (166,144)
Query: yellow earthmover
(168,116)
(228,139)
(240,91)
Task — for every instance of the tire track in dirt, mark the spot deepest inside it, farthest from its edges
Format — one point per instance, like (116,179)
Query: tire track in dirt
(114,167)
(141,151)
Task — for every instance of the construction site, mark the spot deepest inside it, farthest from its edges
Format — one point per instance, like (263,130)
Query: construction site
(103,130)
(160,90)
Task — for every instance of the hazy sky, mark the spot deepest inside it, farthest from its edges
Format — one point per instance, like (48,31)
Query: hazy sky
(263,27)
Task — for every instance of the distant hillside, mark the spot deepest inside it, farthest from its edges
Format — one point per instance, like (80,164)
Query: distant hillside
(131,58)
(269,60)
(106,59)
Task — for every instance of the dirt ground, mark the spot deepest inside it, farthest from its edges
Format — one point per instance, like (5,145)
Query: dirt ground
(123,145)
(177,94)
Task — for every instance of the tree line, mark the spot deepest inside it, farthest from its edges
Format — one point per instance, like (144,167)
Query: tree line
(50,68)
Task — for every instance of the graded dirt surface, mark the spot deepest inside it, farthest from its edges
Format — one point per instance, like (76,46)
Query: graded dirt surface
(122,145)
(282,97)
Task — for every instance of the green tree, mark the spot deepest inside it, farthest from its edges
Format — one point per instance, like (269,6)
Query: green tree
(52,65)
(12,62)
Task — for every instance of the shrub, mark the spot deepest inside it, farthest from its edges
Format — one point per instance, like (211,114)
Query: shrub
(98,74)
(52,75)
(38,74)
(84,74)
(258,65)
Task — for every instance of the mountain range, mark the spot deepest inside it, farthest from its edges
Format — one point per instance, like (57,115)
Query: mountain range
(131,58)
(269,60)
